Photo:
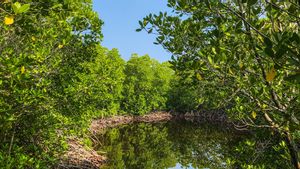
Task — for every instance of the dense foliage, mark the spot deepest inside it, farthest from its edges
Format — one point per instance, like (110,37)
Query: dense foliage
(184,97)
(146,85)
(246,55)
(101,84)
(42,44)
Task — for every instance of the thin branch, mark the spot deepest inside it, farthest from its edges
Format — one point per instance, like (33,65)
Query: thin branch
(261,101)
(278,7)
(245,21)
(11,142)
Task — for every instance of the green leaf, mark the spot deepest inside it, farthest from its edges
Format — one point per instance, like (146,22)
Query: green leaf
(294,78)
(292,9)
(199,77)
(251,2)
(16,6)
(141,23)
(24,8)
(295,38)
(214,51)
(210,60)
(207,4)
(256,11)
(269,52)
(281,51)
(57,6)
(268,42)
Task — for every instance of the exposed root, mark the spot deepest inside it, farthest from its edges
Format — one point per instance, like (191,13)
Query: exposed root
(81,157)
(100,124)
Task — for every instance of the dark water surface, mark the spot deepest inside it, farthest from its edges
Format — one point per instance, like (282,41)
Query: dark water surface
(178,144)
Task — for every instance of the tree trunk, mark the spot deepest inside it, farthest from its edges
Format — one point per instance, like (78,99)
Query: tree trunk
(292,150)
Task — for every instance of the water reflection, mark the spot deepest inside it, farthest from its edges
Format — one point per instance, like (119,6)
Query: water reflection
(171,145)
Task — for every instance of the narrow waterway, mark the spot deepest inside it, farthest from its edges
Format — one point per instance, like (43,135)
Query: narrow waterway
(180,144)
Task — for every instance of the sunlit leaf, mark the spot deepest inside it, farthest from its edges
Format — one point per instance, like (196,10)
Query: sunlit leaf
(214,51)
(271,75)
(253,114)
(22,69)
(24,8)
(8,20)
(210,60)
(230,71)
(199,77)
(16,6)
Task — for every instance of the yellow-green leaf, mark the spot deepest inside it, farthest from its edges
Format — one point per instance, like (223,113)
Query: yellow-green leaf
(253,114)
(199,77)
(241,65)
(22,69)
(230,71)
(210,60)
(217,67)
(24,8)
(264,106)
(214,51)
(271,75)
(16,6)
(60,46)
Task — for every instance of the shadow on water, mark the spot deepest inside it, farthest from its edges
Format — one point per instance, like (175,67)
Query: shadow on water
(177,144)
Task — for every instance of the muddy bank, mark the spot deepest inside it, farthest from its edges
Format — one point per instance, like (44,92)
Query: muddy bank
(100,124)
(212,116)
(80,156)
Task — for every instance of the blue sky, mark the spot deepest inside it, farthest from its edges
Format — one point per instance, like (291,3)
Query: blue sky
(120,22)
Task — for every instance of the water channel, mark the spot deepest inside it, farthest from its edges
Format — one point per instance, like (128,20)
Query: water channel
(181,144)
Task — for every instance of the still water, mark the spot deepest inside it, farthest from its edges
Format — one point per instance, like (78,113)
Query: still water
(180,144)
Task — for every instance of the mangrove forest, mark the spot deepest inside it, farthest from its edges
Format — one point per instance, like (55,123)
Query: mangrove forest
(228,97)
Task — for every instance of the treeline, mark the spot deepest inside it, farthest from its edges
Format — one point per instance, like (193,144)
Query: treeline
(55,77)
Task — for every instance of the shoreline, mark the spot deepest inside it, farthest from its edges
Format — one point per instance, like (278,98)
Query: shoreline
(99,125)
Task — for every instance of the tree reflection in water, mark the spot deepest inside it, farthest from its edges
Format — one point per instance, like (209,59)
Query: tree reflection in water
(177,144)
